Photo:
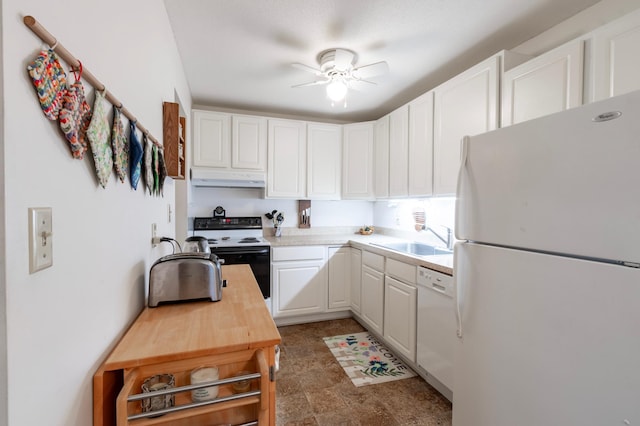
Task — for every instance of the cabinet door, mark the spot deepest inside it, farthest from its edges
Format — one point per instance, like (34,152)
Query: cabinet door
(249,142)
(299,288)
(466,105)
(357,170)
(211,133)
(616,62)
(549,83)
(372,309)
(287,159)
(356,279)
(399,152)
(339,278)
(421,146)
(400,317)
(324,161)
(381,158)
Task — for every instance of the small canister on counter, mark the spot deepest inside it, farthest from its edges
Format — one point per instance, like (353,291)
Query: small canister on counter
(157,383)
(242,385)
(203,375)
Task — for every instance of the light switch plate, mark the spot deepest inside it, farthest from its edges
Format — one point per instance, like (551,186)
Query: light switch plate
(40,238)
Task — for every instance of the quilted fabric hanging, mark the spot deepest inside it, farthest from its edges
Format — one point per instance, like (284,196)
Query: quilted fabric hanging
(119,145)
(148,163)
(50,82)
(75,116)
(135,155)
(98,135)
(162,171)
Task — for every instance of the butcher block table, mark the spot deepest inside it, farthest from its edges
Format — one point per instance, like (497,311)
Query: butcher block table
(235,334)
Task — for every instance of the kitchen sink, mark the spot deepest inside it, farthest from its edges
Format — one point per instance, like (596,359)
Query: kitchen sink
(415,249)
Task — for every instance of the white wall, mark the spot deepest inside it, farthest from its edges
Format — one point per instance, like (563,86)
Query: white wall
(62,322)
(581,23)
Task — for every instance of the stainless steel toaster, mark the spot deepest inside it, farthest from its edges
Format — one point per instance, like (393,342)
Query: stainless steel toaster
(185,276)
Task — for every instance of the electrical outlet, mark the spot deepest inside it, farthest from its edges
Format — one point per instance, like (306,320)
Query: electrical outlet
(40,238)
(169,213)
(154,234)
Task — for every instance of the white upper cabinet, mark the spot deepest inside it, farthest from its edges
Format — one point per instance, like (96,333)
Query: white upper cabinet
(549,83)
(381,157)
(228,141)
(421,146)
(616,57)
(324,161)
(399,152)
(287,159)
(211,132)
(249,142)
(465,105)
(357,157)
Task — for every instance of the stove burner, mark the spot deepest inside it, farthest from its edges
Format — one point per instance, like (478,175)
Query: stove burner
(249,240)
(212,240)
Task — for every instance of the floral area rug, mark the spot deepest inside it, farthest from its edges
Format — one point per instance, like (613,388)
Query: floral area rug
(365,360)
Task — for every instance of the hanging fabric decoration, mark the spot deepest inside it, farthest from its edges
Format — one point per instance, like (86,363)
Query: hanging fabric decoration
(98,135)
(75,116)
(119,145)
(135,155)
(50,82)
(148,163)
(162,171)
(156,177)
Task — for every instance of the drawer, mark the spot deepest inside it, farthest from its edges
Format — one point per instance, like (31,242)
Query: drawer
(402,271)
(297,253)
(375,261)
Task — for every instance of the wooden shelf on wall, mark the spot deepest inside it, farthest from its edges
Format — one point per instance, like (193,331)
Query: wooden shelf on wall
(175,146)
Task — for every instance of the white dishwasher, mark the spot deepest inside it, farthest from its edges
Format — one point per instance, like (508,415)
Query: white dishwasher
(436,331)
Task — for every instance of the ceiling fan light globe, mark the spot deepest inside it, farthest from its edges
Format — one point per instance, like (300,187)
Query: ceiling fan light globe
(336,90)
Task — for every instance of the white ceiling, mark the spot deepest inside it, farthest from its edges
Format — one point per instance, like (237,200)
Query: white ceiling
(237,54)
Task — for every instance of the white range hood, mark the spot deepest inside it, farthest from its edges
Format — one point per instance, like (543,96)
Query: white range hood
(227,179)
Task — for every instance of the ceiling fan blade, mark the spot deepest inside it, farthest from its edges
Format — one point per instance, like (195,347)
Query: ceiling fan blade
(312,83)
(343,59)
(366,71)
(307,68)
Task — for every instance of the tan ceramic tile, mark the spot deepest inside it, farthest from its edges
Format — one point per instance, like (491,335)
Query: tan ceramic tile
(312,388)
(292,408)
(324,401)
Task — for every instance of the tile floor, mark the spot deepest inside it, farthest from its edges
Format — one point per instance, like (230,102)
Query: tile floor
(312,388)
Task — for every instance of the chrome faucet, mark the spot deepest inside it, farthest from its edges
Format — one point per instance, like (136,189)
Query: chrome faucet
(448,241)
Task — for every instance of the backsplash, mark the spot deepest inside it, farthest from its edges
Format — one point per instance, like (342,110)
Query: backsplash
(390,217)
(251,202)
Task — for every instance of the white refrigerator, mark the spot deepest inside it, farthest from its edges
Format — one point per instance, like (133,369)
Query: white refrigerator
(547,278)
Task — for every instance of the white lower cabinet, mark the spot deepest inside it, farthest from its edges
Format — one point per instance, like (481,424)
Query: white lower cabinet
(372,296)
(400,301)
(299,280)
(339,277)
(356,280)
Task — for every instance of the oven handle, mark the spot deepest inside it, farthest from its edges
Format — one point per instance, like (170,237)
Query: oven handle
(222,252)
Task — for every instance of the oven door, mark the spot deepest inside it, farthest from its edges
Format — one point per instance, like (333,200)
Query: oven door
(257,257)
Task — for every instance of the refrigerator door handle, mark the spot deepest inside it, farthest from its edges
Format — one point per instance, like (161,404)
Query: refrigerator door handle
(464,149)
(456,281)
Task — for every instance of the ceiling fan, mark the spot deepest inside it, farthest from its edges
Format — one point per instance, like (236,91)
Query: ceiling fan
(337,71)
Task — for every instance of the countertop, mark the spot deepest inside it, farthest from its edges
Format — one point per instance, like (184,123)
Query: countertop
(239,321)
(440,263)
